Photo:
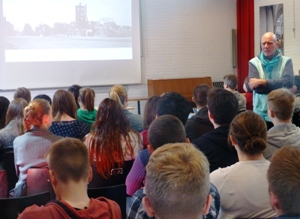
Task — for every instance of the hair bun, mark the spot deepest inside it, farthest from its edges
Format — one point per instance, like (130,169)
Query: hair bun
(255,145)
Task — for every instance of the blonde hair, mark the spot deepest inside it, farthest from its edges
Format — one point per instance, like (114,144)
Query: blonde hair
(118,93)
(34,113)
(281,101)
(177,180)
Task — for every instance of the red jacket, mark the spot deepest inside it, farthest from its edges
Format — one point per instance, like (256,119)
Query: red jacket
(100,208)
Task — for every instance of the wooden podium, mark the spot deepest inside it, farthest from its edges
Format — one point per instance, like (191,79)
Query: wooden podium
(184,86)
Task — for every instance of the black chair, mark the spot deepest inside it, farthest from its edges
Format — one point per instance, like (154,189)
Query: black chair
(218,84)
(10,208)
(118,176)
(296,117)
(9,166)
(115,193)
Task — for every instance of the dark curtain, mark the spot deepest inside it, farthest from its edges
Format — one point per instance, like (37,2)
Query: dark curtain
(245,38)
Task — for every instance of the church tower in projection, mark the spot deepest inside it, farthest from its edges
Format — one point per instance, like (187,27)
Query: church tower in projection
(81,16)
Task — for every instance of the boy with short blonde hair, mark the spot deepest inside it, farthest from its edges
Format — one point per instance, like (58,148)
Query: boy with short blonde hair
(177,183)
(280,111)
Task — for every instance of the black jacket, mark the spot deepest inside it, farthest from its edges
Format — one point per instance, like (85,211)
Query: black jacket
(198,124)
(215,147)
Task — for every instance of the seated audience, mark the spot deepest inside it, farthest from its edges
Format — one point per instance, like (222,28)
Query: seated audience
(243,186)
(222,108)
(74,89)
(165,129)
(23,92)
(86,113)
(31,147)
(69,175)
(14,123)
(64,112)
(4,102)
(112,141)
(172,104)
(199,124)
(280,110)
(230,84)
(284,181)
(248,94)
(177,183)
(119,94)
(149,116)
(43,96)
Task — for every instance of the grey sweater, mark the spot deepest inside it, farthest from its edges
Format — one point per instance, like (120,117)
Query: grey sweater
(281,135)
(30,150)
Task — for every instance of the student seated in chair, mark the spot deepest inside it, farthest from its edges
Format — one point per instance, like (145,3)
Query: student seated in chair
(70,173)
(230,84)
(199,124)
(280,110)
(163,130)
(222,108)
(177,183)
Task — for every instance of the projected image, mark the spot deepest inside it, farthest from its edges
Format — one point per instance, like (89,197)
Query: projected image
(66,30)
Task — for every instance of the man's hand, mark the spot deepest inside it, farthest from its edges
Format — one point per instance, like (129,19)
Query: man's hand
(294,89)
(255,82)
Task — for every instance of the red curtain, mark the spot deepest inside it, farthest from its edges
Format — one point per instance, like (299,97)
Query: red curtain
(245,38)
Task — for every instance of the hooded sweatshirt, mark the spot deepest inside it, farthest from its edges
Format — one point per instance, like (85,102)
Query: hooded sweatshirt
(215,147)
(281,135)
(100,208)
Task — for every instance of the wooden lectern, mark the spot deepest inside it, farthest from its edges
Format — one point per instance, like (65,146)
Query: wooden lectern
(184,86)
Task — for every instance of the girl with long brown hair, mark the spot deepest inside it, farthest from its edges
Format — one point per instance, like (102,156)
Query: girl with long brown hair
(111,140)
(64,113)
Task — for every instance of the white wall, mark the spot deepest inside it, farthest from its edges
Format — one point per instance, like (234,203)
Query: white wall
(291,17)
(190,38)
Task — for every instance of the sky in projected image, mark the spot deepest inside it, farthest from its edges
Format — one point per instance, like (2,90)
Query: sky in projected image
(35,12)
(47,30)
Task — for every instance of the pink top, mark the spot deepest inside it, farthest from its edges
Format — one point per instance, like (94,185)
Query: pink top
(145,138)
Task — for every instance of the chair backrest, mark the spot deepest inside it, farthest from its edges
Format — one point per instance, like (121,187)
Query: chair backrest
(38,180)
(115,193)
(9,166)
(118,176)
(218,84)
(11,207)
